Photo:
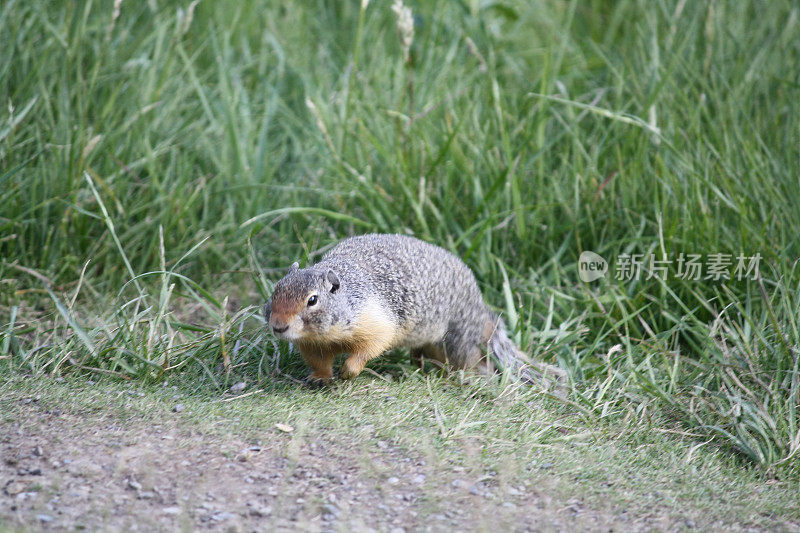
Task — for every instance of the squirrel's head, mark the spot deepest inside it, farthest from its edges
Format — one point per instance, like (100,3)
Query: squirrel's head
(302,306)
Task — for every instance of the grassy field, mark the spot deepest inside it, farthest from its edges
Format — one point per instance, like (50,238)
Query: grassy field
(162,163)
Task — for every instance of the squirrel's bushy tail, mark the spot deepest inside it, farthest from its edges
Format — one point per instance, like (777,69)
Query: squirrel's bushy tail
(507,357)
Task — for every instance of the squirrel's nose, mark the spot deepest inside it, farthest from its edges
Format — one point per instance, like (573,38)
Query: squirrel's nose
(281,329)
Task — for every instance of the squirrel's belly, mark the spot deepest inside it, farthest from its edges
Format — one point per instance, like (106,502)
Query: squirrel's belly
(421,334)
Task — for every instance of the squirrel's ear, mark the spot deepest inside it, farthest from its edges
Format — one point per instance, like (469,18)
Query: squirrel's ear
(333,279)
(295,266)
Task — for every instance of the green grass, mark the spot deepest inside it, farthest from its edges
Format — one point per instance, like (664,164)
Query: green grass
(154,164)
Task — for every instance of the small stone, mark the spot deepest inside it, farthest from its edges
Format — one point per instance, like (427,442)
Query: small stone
(382,445)
(146,495)
(419,479)
(459,483)
(221,517)
(509,505)
(171,510)
(238,387)
(134,485)
(261,511)
(38,452)
(13,488)
(393,480)
(177,408)
(286,428)
(398,530)
(44,518)
(474,490)
(331,509)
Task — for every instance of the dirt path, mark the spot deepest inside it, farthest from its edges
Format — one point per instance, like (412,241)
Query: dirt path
(62,471)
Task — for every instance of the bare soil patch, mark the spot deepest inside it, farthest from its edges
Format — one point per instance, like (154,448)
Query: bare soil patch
(67,471)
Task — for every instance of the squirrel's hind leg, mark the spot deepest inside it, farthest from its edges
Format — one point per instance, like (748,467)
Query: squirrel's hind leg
(417,355)
(463,346)
(435,352)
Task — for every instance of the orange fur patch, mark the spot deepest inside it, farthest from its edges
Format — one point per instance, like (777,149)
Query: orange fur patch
(488,329)
(369,335)
(286,310)
(374,331)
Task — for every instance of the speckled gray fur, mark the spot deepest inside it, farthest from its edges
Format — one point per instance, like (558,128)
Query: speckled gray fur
(431,294)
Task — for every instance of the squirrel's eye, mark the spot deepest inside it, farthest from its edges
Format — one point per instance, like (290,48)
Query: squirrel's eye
(312,300)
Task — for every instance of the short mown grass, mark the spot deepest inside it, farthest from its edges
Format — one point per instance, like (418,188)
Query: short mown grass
(504,434)
(161,165)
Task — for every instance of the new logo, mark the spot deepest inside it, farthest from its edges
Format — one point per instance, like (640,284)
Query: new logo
(591,266)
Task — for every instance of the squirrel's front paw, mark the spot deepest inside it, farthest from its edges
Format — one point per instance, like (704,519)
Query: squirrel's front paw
(316,382)
(352,367)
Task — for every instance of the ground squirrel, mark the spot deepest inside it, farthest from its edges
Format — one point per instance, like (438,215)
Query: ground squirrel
(372,293)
